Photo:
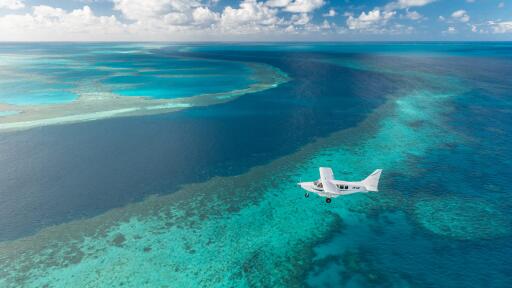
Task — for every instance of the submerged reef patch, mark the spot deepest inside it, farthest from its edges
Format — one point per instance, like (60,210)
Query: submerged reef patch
(359,266)
(119,240)
(99,100)
(463,219)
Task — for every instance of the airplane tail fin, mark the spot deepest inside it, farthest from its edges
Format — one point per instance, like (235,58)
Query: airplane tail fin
(372,182)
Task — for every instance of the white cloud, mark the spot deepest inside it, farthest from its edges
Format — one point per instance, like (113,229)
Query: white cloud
(450,30)
(251,16)
(326,25)
(175,18)
(162,20)
(413,15)
(290,29)
(11,4)
(304,6)
(470,1)
(277,3)
(331,13)
(296,6)
(402,4)
(47,23)
(376,19)
(300,19)
(500,27)
(203,15)
(154,20)
(501,5)
(43,11)
(148,10)
(461,15)
(493,27)
(369,21)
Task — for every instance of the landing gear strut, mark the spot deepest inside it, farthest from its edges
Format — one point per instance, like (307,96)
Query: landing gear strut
(328,200)
(306,195)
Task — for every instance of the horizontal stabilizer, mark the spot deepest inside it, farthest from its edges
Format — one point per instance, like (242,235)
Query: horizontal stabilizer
(372,182)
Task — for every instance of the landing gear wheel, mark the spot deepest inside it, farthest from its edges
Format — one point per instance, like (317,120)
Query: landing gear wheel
(306,195)
(328,200)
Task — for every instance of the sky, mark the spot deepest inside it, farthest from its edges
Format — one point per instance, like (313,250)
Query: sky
(255,20)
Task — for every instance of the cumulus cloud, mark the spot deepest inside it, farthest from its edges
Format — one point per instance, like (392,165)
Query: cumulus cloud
(253,17)
(450,30)
(203,15)
(277,3)
(175,18)
(159,20)
(493,27)
(461,15)
(11,4)
(376,19)
(402,4)
(202,20)
(304,6)
(151,9)
(250,16)
(500,27)
(48,12)
(331,13)
(326,25)
(369,21)
(296,6)
(413,15)
(300,19)
(49,23)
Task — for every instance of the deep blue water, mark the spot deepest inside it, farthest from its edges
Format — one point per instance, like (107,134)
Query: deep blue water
(55,174)
(124,160)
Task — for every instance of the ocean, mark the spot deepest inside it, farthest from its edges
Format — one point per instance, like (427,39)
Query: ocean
(205,195)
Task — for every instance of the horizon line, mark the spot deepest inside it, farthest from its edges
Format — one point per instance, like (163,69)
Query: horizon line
(263,42)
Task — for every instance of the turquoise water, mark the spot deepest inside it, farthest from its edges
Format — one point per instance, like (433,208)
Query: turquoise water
(207,198)
(7,113)
(41,76)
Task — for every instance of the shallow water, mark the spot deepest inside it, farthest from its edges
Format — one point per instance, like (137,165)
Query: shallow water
(54,74)
(119,209)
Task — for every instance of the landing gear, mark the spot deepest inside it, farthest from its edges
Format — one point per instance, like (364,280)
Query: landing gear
(306,195)
(328,200)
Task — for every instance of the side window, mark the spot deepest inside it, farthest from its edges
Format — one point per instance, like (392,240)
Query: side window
(346,186)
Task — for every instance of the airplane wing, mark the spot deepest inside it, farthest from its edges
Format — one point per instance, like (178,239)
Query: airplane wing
(326,176)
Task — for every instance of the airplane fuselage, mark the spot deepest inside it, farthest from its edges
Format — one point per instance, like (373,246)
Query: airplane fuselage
(329,187)
(342,188)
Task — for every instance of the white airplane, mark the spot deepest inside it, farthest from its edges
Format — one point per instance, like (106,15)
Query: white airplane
(328,187)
